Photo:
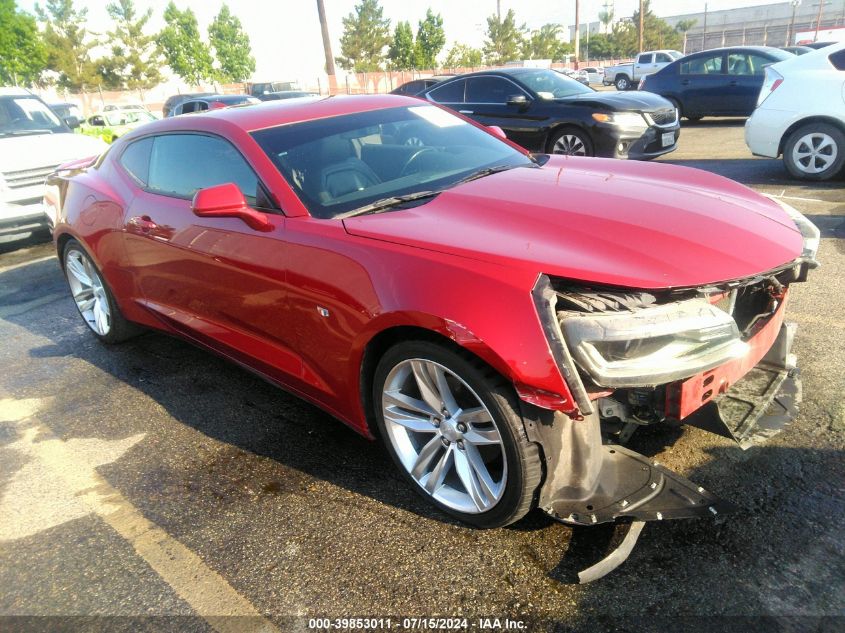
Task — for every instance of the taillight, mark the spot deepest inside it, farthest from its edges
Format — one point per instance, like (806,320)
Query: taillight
(771,83)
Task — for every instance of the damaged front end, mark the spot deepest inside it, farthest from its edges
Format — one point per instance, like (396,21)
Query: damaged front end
(714,357)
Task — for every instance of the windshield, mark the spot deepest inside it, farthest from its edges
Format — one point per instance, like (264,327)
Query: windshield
(675,54)
(27,115)
(344,163)
(549,84)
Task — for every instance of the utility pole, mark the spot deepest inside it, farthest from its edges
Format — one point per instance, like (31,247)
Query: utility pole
(790,34)
(499,9)
(641,26)
(577,32)
(819,20)
(327,43)
(704,37)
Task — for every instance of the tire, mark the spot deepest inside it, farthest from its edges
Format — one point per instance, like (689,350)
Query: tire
(694,119)
(103,317)
(571,141)
(622,82)
(815,151)
(438,450)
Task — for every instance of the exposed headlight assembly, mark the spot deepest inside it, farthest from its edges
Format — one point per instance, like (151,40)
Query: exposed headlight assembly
(622,119)
(809,232)
(654,345)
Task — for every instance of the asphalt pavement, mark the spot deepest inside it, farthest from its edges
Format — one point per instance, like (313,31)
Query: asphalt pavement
(154,486)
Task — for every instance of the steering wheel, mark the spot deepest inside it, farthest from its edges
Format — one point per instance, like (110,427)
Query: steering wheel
(406,168)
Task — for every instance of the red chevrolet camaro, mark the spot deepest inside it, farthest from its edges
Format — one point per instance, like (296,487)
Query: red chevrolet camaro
(503,320)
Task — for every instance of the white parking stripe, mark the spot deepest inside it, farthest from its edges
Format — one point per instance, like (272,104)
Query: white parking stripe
(29,262)
(59,482)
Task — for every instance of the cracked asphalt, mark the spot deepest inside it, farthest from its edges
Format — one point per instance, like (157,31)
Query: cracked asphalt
(153,486)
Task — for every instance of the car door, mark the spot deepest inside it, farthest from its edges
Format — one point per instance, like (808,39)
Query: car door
(644,65)
(701,84)
(745,73)
(487,101)
(215,280)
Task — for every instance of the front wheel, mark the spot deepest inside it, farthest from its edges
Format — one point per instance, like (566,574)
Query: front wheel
(622,83)
(815,151)
(571,142)
(452,427)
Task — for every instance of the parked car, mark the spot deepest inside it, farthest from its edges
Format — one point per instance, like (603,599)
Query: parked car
(544,111)
(66,110)
(489,314)
(800,114)
(818,45)
(718,82)
(212,102)
(417,86)
(797,50)
(260,89)
(174,100)
(595,75)
(627,76)
(113,107)
(288,94)
(33,141)
(115,123)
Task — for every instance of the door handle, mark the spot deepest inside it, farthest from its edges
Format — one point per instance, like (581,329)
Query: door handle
(465,111)
(141,224)
(685,82)
(732,83)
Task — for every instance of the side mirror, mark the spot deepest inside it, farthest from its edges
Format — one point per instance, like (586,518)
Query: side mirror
(518,100)
(227,201)
(71,121)
(495,129)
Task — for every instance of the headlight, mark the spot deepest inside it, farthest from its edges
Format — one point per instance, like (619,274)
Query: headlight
(624,119)
(809,231)
(654,345)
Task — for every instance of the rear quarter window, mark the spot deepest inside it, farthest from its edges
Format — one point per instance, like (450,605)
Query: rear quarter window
(136,160)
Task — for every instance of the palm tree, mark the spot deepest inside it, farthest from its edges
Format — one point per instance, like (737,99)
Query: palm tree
(682,27)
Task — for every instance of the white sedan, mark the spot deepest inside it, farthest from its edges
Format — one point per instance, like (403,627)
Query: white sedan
(801,114)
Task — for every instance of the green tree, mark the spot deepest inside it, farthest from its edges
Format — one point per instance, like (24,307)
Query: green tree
(69,45)
(402,52)
(602,46)
(186,54)
(23,55)
(543,43)
(231,46)
(462,56)
(656,32)
(366,33)
(135,59)
(504,39)
(682,27)
(430,40)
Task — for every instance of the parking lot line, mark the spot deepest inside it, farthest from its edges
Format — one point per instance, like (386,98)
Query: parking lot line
(60,483)
(29,262)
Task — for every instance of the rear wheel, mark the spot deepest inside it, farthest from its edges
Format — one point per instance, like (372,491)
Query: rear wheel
(453,428)
(571,142)
(622,82)
(93,298)
(815,151)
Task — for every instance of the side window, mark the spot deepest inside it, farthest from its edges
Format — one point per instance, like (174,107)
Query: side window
(190,106)
(97,120)
(711,65)
(838,59)
(745,64)
(136,160)
(181,164)
(489,90)
(452,92)
(644,59)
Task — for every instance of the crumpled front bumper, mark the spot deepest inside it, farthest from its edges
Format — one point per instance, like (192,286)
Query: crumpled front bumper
(589,481)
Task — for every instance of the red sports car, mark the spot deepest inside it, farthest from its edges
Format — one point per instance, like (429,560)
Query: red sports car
(503,320)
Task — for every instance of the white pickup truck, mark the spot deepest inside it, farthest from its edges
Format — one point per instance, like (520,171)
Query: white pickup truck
(627,76)
(33,142)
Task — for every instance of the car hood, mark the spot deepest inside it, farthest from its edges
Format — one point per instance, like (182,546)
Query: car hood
(18,153)
(638,101)
(601,221)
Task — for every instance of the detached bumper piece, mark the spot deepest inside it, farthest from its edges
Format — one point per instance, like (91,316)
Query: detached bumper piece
(630,485)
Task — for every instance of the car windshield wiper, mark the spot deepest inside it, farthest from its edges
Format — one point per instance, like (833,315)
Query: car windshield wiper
(481,173)
(386,204)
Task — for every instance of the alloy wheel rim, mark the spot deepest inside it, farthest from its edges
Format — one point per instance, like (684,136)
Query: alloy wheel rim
(571,145)
(88,292)
(444,436)
(814,152)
